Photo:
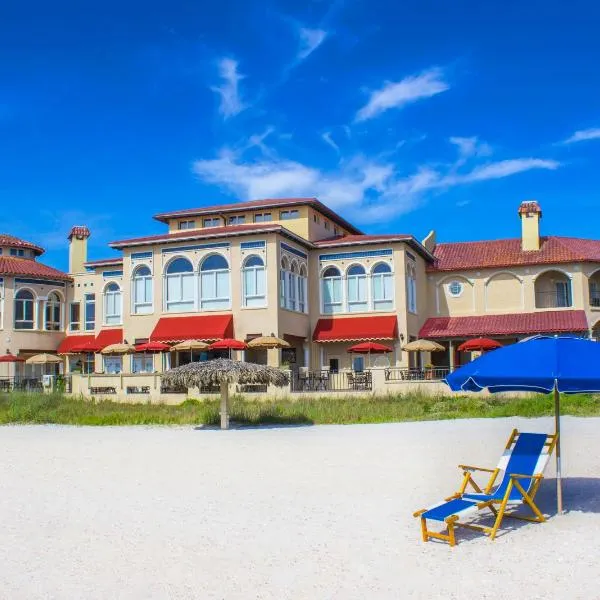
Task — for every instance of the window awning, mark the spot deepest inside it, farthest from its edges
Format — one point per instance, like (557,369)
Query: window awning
(552,321)
(72,341)
(205,327)
(351,329)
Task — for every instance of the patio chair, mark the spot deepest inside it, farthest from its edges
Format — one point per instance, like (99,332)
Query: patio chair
(521,468)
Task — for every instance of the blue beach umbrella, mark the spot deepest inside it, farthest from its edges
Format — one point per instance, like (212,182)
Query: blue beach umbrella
(567,365)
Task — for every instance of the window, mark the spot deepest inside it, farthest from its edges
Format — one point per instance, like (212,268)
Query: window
(262,217)
(327,225)
(90,312)
(212,222)
(283,282)
(358,364)
(74,316)
(356,280)
(237,220)
(85,366)
(455,288)
(17,252)
(113,364)
(179,284)
(142,363)
(382,287)
(563,293)
(214,283)
(336,231)
(53,312)
(331,291)
(285,215)
(411,287)
(253,281)
(292,287)
(141,292)
(302,290)
(186,225)
(24,310)
(113,304)
(334,365)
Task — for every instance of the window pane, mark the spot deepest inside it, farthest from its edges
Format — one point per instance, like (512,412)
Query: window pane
(208,286)
(214,262)
(222,285)
(173,288)
(260,282)
(249,282)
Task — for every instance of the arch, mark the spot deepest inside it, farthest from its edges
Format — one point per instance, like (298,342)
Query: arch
(381,267)
(253,261)
(113,304)
(214,283)
(141,290)
(53,311)
(214,262)
(356,269)
(382,286)
(254,281)
(294,267)
(302,288)
(179,285)
(553,270)
(178,265)
(142,271)
(331,272)
(303,271)
(503,291)
(285,263)
(112,286)
(332,297)
(24,309)
(26,294)
(356,288)
(553,291)
(503,272)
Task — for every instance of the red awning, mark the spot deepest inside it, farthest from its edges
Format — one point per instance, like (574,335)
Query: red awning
(356,329)
(73,341)
(106,337)
(11,358)
(552,321)
(180,329)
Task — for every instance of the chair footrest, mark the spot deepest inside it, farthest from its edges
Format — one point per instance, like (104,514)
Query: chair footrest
(447,509)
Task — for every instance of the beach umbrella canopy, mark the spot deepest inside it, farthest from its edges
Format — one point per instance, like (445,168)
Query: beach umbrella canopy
(228,344)
(152,347)
(44,359)
(117,349)
(267,342)
(479,345)
(369,348)
(189,345)
(222,372)
(543,364)
(11,358)
(423,346)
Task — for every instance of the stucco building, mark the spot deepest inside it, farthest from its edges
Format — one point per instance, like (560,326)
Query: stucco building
(295,268)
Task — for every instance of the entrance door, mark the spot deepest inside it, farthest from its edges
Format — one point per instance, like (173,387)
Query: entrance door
(334,365)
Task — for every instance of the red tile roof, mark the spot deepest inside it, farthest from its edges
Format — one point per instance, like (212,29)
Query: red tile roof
(205,327)
(79,231)
(72,341)
(104,261)
(530,206)
(347,329)
(199,234)
(265,203)
(553,321)
(15,242)
(508,253)
(10,265)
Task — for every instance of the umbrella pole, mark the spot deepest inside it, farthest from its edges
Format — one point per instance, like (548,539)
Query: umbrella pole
(559,499)
(224,405)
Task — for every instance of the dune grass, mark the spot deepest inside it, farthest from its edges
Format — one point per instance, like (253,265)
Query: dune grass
(59,409)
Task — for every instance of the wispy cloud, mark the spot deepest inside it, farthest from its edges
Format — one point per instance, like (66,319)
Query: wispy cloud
(583,135)
(399,94)
(503,168)
(231,102)
(469,147)
(310,40)
(326,137)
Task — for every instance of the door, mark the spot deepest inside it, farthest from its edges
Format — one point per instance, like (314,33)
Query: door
(334,365)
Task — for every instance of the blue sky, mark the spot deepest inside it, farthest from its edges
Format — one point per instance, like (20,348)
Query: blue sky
(402,116)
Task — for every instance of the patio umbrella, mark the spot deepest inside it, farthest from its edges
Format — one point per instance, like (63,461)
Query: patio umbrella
(11,358)
(152,347)
(44,359)
(369,348)
(479,345)
(116,349)
(223,371)
(423,346)
(190,346)
(268,342)
(228,344)
(567,365)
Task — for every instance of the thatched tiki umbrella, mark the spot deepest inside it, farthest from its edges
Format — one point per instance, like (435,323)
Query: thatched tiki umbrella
(223,371)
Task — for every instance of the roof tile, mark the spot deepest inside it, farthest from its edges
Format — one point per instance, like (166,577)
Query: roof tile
(11,240)
(10,265)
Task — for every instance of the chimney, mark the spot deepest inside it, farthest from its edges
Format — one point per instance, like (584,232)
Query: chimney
(530,213)
(429,241)
(78,248)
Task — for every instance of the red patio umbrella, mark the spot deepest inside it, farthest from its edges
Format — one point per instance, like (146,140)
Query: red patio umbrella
(479,345)
(152,347)
(85,348)
(11,358)
(369,348)
(228,344)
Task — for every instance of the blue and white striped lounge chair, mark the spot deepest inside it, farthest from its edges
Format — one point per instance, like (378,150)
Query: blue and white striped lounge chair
(521,469)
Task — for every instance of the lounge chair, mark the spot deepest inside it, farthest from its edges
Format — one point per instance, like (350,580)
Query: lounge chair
(521,468)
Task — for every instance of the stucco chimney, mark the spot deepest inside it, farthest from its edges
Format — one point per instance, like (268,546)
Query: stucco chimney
(78,248)
(429,241)
(530,213)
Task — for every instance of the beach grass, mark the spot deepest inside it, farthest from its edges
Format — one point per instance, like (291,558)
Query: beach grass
(60,409)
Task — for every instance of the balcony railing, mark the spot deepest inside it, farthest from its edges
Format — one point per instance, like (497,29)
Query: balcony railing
(425,374)
(327,381)
(553,299)
(595,298)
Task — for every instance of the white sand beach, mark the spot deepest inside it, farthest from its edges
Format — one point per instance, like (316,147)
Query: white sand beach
(278,513)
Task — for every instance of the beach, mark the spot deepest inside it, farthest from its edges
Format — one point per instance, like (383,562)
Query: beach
(282,512)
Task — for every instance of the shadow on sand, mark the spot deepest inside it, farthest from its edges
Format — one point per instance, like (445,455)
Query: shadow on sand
(280,423)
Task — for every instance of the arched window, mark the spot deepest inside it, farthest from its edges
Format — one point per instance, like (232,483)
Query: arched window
(292,287)
(113,304)
(179,287)
(382,287)
(331,290)
(214,283)
(141,290)
(356,278)
(53,312)
(411,287)
(283,282)
(302,290)
(253,280)
(24,310)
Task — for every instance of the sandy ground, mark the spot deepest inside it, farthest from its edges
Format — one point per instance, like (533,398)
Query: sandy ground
(295,512)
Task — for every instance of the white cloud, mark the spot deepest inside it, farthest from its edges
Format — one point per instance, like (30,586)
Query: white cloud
(399,94)
(583,135)
(231,103)
(310,40)
(326,137)
(500,169)
(468,147)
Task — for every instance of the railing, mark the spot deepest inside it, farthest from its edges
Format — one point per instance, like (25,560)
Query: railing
(20,384)
(252,388)
(426,374)
(326,381)
(553,299)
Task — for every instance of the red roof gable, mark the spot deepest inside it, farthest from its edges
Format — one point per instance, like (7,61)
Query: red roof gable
(205,327)
(356,328)
(72,341)
(15,242)
(508,253)
(553,321)
(10,265)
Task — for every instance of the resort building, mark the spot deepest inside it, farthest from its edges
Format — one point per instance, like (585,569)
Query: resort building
(293,268)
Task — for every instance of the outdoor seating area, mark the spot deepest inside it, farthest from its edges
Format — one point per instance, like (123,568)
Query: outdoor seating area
(327,381)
